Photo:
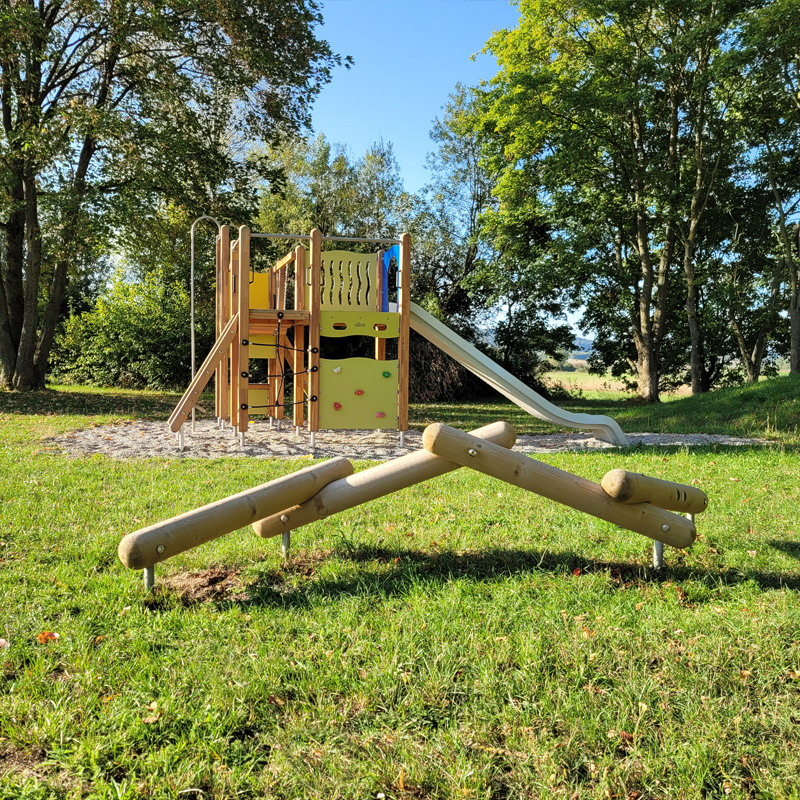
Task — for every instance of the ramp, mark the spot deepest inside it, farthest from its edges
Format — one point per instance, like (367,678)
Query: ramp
(504,382)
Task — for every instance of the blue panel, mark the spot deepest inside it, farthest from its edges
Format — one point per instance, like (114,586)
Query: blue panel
(392,253)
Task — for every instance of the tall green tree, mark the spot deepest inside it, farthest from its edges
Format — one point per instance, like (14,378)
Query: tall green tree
(767,113)
(103,103)
(604,121)
(329,188)
(471,275)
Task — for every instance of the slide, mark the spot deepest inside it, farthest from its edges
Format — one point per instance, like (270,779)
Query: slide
(504,382)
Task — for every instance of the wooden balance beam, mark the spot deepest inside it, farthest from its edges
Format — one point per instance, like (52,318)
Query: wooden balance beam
(148,546)
(375,482)
(563,487)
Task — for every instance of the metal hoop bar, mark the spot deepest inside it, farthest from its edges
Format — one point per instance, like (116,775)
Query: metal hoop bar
(356,239)
(191,298)
(324,238)
(278,236)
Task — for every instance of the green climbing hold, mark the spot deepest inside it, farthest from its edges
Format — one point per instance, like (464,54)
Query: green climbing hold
(387,374)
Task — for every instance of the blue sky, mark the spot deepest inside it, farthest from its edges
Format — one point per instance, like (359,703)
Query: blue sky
(409,55)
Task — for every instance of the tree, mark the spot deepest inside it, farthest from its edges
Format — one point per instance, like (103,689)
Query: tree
(104,104)
(470,274)
(603,121)
(767,110)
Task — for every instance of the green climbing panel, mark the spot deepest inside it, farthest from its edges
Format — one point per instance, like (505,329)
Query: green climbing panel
(358,393)
(377,324)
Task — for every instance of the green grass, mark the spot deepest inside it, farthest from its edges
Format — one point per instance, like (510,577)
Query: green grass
(461,639)
(769,409)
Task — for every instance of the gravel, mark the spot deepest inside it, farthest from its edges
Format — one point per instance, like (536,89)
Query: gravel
(138,440)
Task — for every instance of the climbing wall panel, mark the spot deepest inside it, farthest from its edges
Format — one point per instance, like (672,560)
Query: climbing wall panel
(358,393)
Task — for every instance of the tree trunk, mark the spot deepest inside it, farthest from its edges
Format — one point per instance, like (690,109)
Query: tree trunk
(12,301)
(752,358)
(24,373)
(794,307)
(695,336)
(790,266)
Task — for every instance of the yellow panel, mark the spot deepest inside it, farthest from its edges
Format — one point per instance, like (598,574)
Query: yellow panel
(259,397)
(259,290)
(360,323)
(362,392)
(257,351)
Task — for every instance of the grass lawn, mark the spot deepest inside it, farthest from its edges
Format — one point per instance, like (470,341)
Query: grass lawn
(461,639)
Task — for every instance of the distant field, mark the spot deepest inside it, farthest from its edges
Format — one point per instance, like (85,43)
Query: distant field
(585,382)
(605,385)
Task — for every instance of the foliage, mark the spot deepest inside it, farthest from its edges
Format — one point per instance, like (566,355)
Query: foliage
(108,106)
(621,129)
(328,188)
(136,336)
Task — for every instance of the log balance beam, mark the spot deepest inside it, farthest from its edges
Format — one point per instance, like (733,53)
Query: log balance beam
(632,501)
(148,546)
(376,482)
(632,513)
(631,487)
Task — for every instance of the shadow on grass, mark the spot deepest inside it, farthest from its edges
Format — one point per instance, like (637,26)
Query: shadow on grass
(383,572)
(82,401)
(790,548)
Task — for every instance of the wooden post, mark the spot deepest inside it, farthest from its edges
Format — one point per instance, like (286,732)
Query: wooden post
(273,368)
(298,360)
(219,324)
(161,541)
(243,374)
(225,315)
(234,359)
(313,330)
(403,351)
(555,484)
(373,483)
(631,487)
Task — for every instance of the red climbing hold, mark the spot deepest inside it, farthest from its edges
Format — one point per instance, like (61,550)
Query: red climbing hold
(380,415)
(337,406)
(359,391)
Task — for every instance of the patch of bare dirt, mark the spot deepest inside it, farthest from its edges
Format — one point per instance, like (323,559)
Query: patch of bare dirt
(214,584)
(22,763)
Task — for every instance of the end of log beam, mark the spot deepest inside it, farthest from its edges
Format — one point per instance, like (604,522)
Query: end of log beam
(631,487)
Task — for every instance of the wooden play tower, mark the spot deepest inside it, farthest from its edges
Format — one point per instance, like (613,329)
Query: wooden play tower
(336,293)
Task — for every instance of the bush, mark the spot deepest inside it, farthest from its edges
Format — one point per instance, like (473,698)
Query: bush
(137,336)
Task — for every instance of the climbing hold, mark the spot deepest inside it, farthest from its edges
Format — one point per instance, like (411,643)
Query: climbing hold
(337,370)
(359,392)
(337,406)
(387,374)
(380,415)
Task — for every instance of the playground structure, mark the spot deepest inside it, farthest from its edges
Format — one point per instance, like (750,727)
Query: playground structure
(336,293)
(635,502)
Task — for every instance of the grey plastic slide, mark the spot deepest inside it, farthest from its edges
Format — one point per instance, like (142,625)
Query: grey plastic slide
(504,382)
